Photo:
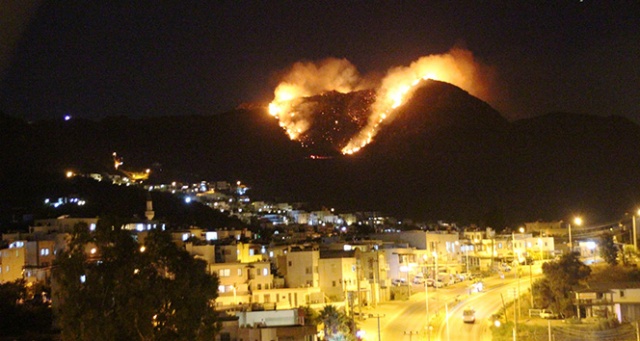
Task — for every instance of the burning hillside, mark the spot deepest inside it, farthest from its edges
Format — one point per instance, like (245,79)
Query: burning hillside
(327,122)
(335,118)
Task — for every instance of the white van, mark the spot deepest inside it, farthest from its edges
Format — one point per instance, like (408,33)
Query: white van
(469,315)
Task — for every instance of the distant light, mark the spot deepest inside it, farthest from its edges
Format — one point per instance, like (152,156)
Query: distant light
(93,251)
(69,174)
(67,117)
(187,200)
(497,323)
(142,248)
(83,278)
(591,245)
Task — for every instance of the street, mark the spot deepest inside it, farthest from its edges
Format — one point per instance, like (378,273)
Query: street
(406,320)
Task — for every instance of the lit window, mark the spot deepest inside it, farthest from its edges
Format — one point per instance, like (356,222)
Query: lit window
(239,272)
(44,252)
(224,272)
(221,288)
(265,272)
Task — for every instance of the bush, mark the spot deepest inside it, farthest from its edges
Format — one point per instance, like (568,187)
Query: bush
(607,324)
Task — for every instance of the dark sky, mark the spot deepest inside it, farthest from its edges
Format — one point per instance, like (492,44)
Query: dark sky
(93,59)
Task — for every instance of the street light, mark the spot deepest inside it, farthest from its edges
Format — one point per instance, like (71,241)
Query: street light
(435,279)
(377,316)
(635,233)
(540,247)
(578,222)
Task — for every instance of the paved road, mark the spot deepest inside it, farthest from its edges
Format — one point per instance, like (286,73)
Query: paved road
(407,320)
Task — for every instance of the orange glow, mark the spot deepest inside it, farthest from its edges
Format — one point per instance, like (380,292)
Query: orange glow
(457,67)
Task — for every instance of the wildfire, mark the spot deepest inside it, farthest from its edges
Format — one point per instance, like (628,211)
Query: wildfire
(457,67)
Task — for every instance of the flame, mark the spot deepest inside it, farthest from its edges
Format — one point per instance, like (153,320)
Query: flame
(457,67)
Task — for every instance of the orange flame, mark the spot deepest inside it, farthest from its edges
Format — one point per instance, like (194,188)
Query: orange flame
(457,67)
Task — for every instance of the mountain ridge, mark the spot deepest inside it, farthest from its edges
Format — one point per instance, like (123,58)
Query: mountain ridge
(445,156)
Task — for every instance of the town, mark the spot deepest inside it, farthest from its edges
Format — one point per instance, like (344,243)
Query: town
(316,259)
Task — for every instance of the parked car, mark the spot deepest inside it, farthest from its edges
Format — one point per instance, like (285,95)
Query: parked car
(430,282)
(399,281)
(549,314)
(360,315)
(526,261)
(438,284)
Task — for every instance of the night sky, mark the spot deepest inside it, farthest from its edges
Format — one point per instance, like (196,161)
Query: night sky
(93,59)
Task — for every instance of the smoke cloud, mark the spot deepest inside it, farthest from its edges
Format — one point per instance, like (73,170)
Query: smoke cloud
(458,67)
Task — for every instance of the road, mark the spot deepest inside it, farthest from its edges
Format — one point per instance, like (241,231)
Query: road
(406,320)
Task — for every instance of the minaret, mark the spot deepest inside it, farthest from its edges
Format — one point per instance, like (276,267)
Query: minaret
(149,213)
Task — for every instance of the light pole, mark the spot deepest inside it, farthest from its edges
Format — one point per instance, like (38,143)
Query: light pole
(540,247)
(635,231)
(426,293)
(435,279)
(577,221)
(378,316)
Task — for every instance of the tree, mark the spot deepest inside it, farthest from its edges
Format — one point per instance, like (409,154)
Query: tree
(555,289)
(336,324)
(23,311)
(608,249)
(110,287)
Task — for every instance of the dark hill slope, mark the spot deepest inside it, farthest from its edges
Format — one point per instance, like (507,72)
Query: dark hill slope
(446,155)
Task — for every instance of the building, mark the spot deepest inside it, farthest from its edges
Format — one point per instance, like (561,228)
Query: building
(620,300)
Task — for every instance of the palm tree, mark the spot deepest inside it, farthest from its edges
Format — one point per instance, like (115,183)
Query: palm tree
(336,324)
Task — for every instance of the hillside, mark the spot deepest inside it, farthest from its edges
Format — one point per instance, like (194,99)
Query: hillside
(446,155)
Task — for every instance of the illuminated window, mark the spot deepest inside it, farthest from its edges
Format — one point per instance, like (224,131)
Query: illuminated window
(239,272)
(224,272)
(265,272)
(44,252)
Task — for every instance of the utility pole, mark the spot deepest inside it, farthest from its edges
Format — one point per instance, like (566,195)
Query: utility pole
(531,285)
(515,317)
(635,232)
(411,333)
(426,293)
(570,241)
(378,316)
(446,316)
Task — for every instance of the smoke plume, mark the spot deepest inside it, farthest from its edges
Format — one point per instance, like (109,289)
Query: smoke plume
(458,67)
